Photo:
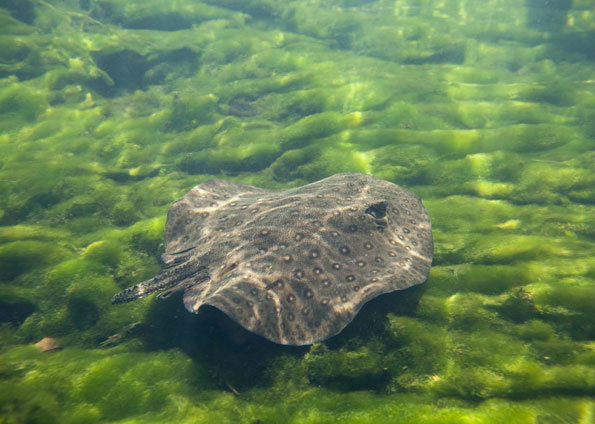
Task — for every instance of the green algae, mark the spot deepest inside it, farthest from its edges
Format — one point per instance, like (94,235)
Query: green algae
(315,162)
(361,367)
(490,120)
(19,106)
(95,386)
(170,17)
(20,256)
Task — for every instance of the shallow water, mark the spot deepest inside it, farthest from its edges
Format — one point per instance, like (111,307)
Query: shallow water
(112,109)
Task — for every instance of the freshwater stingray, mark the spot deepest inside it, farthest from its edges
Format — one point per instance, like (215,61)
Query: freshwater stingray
(294,265)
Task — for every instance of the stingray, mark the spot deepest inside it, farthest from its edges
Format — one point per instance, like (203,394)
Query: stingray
(295,265)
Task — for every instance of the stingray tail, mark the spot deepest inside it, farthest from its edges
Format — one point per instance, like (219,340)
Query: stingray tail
(181,276)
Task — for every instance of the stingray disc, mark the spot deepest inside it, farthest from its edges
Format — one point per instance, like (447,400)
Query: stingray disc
(294,265)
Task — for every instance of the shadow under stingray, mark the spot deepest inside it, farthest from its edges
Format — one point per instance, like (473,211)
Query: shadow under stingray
(238,360)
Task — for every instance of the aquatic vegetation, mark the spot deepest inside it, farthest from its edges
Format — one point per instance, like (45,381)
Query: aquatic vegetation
(112,109)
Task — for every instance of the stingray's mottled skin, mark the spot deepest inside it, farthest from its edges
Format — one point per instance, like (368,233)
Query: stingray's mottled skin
(295,265)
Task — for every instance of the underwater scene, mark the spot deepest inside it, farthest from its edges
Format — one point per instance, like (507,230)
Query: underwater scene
(111,110)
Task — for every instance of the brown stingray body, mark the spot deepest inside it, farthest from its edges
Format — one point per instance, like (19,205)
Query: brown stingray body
(294,265)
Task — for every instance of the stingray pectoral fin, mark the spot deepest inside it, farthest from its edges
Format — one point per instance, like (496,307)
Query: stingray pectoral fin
(179,277)
(193,297)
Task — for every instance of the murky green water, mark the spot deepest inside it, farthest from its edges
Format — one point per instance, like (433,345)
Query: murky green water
(112,109)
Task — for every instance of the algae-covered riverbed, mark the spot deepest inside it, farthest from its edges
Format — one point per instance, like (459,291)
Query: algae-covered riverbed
(112,109)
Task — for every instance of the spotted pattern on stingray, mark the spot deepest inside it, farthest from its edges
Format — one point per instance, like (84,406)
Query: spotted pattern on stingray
(295,265)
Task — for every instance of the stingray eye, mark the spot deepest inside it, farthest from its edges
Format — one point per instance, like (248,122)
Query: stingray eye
(377,210)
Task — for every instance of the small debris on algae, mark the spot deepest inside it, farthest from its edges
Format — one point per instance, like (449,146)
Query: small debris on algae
(48,344)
